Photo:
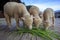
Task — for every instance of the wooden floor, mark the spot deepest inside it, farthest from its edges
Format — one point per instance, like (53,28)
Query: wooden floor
(8,36)
(14,36)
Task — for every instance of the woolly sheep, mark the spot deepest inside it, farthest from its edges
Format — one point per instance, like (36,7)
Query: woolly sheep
(41,15)
(35,12)
(16,10)
(48,18)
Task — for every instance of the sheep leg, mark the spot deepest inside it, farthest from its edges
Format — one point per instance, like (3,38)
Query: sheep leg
(37,26)
(8,20)
(46,25)
(53,20)
(17,21)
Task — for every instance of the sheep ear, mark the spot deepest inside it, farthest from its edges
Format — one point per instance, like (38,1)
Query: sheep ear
(23,18)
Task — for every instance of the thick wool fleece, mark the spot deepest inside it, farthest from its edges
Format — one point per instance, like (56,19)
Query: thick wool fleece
(48,18)
(16,10)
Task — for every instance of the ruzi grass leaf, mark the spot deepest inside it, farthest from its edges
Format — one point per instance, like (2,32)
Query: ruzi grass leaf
(48,35)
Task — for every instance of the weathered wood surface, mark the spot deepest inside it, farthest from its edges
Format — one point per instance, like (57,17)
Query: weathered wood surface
(13,36)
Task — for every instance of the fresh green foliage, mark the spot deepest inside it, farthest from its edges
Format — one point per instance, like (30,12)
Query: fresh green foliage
(45,34)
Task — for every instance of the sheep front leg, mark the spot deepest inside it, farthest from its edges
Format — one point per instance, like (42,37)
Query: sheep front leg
(46,25)
(53,21)
(8,20)
(17,20)
(37,26)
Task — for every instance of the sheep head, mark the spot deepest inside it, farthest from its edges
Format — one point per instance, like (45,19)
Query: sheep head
(28,21)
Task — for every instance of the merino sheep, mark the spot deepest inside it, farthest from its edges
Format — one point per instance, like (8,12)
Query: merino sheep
(48,18)
(17,10)
(35,12)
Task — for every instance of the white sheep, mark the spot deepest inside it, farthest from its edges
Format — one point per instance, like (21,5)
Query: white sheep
(41,15)
(35,12)
(48,18)
(18,11)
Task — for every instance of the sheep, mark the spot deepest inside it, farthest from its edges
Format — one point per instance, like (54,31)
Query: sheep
(18,11)
(48,18)
(35,12)
(41,15)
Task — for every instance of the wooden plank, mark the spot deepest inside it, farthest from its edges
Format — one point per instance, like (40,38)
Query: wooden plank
(13,36)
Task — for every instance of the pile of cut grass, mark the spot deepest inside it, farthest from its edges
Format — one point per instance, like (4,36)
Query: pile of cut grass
(45,34)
